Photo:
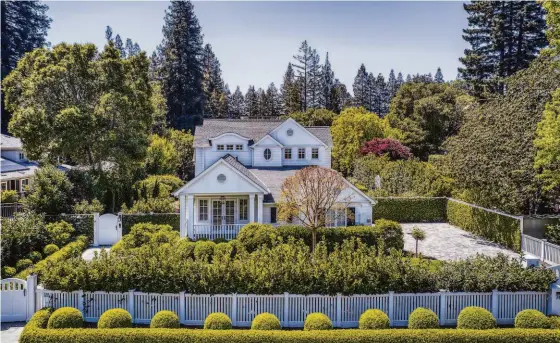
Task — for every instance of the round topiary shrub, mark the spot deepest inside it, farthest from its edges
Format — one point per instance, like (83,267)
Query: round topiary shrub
(204,250)
(532,319)
(254,235)
(114,319)
(166,320)
(66,318)
(50,249)
(317,321)
(423,318)
(374,320)
(223,249)
(217,321)
(476,318)
(23,264)
(34,256)
(8,272)
(266,321)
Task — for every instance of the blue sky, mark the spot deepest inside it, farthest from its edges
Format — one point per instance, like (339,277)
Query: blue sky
(254,41)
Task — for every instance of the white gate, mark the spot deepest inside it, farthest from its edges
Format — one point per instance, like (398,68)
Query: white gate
(13,297)
(110,229)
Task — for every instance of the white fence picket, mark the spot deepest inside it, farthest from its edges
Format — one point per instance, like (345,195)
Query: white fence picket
(353,307)
(404,304)
(455,302)
(302,305)
(146,305)
(511,303)
(199,306)
(249,306)
(95,303)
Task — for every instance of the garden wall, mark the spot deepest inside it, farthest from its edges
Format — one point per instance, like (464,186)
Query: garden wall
(411,210)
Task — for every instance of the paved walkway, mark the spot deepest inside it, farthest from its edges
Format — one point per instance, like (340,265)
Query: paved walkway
(448,242)
(11,332)
(89,253)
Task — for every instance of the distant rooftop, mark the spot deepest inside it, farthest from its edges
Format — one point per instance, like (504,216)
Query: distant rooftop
(10,142)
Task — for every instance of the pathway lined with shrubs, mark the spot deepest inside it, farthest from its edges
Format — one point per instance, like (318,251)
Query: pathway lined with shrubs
(447,242)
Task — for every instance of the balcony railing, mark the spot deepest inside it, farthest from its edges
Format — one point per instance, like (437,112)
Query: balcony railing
(211,232)
(9,209)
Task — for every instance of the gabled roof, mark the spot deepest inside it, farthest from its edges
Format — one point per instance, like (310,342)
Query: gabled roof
(253,129)
(10,142)
(243,170)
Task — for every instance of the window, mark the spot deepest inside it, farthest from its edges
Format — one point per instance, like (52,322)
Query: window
(243,209)
(230,147)
(24,183)
(350,216)
(301,153)
(267,154)
(203,210)
(4,186)
(239,147)
(315,153)
(220,147)
(288,154)
(273,215)
(21,156)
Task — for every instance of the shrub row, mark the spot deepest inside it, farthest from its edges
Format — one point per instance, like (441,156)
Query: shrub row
(411,210)
(489,225)
(71,250)
(171,219)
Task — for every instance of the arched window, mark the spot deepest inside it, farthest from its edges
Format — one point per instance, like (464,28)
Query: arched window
(267,154)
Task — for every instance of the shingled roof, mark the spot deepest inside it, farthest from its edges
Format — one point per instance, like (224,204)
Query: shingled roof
(252,129)
(232,161)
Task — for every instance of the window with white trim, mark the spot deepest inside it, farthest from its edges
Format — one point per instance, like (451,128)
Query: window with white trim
(239,147)
(21,156)
(288,154)
(220,147)
(4,186)
(243,209)
(315,153)
(267,154)
(230,147)
(203,210)
(301,154)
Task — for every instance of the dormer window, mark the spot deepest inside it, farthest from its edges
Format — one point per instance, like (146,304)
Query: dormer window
(230,147)
(239,147)
(267,154)
(220,147)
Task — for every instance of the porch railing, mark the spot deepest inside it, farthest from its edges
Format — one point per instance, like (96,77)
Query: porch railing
(547,252)
(9,209)
(211,232)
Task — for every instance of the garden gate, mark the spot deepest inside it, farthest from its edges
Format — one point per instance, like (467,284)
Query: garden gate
(108,230)
(17,302)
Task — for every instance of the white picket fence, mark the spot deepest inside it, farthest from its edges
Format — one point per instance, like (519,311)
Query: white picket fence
(547,252)
(291,309)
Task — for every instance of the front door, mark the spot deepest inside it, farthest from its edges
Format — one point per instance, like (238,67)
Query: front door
(216,212)
(223,214)
(229,217)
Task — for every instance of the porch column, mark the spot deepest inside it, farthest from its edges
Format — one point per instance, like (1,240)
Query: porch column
(251,208)
(182,216)
(260,208)
(190,220)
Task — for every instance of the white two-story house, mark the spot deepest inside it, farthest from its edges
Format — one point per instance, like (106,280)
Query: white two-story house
(240,166)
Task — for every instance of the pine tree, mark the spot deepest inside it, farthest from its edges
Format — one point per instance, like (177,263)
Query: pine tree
(291,92)
(262,103)
(181,65)
(392,86)
(400,81)
(439,76)
(308,70)
(274,101)
(504,38)
(155,67)
(212,82)
(251,102)
(314,88)
(360,87)
(129,47)
(382,96)
(408,78)
(237,104)
(344,99)
(136,49)
(328,100)
(109,34)
(372,93)
(24,28)
(119,45)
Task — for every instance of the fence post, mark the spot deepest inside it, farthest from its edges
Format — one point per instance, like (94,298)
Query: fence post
(31,289)
(443,308)
(495,303)
(338,310)
(286,309)
(96,229)
(234,309)
(182,307)
(542,250)
(131,305)
(391,309)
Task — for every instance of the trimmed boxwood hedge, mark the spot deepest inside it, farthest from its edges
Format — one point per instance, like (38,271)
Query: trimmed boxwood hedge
(317,321)
(165,319)
(266,321)
(115,318)
(66,318)
(489,225)
(532,319)
(423,318)
(374,319)
(411,210)
(217,321)
(475,318)
(171,219)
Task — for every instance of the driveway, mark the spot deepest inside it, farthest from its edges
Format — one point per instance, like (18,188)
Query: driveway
(89,253)
(11,332)
(448,242)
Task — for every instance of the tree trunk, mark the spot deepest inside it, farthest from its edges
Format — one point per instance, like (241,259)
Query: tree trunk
(313,239)
(416,248)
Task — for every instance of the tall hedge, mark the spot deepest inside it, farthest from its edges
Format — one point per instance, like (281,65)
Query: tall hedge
(492,226)
(411,210)
(82,223)
(171,219)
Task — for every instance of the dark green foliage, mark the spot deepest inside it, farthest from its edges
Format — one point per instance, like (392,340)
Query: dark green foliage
(59,233)
(313,117)
(22,234)
(411,210)
(34,256)
(217,321)
(8,272)
(552,234)
(66,318)
(49,192)
(23,264)
(317,321)
(171,219)
(185,248)
(114,319)
(165,319)
(423,318)
(374,320)
(266,321)
(255,235)
(492,226)
(50,249)
(475,318)
(145,233)
(82,223)
(532,319)
(204,250)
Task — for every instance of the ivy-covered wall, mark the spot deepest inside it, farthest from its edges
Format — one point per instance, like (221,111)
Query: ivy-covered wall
(411,210)
(492,226)
(82,223)
(128,220)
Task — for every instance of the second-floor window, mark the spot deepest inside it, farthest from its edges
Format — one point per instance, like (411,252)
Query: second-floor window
(203,210)
(230,147)
(301,153)
(220,147)
(21,156)
(288,154)
(239,147)
(315,153)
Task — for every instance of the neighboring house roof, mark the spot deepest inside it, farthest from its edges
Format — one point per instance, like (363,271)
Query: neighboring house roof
(253,129)
(10,142)
(16,170)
